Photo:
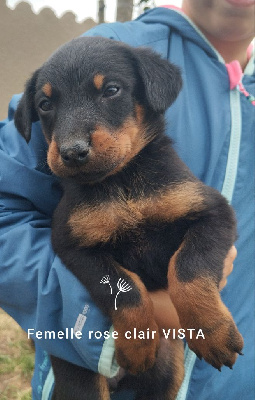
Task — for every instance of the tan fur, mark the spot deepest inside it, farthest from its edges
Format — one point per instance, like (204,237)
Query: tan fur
(109,152)
(172,352)
(139,114)
(98,81)
(117,148)
(53,156)
(199,306)
(104,222)
(103,388)
(54,160)
(136,355)
(177,358)
(47,89)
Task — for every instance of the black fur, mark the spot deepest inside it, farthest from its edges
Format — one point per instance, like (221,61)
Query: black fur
(72,112)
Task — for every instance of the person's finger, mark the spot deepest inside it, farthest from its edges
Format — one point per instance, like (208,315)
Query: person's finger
(228,266)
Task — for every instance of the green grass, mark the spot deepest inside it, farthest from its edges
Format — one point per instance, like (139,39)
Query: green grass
(24,360)
(16,361)
(7,364)
(26,396)
(11,393)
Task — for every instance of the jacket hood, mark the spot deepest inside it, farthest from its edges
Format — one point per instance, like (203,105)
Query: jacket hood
(177,20)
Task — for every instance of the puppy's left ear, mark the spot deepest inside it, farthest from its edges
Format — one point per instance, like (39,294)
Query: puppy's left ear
(161,80)
(26,113)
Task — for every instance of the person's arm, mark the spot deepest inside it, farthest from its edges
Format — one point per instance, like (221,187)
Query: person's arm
(35,288)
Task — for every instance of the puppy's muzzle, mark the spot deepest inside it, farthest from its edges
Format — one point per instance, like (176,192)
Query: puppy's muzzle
(75,155)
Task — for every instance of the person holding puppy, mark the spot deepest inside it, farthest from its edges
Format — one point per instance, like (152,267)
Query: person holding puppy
(212,124)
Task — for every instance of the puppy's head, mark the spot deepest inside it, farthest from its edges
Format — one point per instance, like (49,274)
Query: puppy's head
(94,97)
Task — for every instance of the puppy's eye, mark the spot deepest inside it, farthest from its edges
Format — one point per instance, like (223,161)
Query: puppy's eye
(46,105)
(111,91)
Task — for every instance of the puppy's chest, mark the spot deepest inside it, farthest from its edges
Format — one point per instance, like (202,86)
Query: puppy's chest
(107,221)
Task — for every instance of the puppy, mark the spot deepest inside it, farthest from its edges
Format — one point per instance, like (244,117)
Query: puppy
(132,215)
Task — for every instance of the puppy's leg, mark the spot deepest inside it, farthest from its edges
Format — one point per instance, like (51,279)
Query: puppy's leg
(128,306)
(120,294)
(163,380)
(194,274)
(75,383)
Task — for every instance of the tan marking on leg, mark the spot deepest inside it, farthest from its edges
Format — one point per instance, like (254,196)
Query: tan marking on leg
(47,89)
(136,354)
(103,388)
(199,306)
(98,81)
(177,359)
(170,357)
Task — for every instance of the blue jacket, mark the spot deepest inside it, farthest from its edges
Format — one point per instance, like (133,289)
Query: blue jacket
(213,130)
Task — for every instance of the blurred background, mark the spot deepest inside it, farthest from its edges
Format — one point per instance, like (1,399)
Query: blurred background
(30,31)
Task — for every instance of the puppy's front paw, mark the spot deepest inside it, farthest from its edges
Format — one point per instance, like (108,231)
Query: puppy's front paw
(199,306)
(222,342)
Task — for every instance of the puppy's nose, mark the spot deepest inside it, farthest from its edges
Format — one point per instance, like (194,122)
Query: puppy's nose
(75,155)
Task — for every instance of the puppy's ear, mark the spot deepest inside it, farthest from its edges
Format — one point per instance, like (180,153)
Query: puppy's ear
(26,113)
(161,80)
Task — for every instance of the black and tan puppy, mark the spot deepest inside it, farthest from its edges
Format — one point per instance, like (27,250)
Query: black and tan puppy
(131,211)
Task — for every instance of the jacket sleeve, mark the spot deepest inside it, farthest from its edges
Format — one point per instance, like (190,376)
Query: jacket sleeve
(35,288)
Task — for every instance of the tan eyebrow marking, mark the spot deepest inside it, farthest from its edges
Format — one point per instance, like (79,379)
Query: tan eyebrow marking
(98,81)
(47,89)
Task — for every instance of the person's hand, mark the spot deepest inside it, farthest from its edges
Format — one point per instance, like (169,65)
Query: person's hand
(228,266)
(164,311)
